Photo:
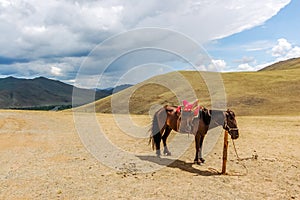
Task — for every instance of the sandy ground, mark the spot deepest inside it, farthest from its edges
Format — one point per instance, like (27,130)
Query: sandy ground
(42,157)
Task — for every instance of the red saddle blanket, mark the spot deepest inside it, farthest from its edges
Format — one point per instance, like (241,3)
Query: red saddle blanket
(187,112)
(189,107)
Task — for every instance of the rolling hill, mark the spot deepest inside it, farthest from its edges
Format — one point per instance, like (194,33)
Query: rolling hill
(272,91)
(292,63)
(39,93)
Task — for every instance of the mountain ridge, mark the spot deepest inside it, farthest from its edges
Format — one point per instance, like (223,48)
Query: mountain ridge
(292,63)
(41,93)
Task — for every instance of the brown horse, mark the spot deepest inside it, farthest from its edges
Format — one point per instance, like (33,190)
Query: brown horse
(188,121)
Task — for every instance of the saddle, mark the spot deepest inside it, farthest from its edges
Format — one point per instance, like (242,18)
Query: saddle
(188,112)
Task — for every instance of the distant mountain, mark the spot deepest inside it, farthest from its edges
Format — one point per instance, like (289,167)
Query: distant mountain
(42,93)
(284,65)
(116,89)
(120,88)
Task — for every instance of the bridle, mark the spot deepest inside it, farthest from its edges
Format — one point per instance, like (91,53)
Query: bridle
(228,128)
(225,125)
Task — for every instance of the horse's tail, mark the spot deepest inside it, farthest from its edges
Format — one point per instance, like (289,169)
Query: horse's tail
(153,130)
(158,122)
(151,140)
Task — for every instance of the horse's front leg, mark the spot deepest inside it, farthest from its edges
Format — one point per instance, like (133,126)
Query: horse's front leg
(197,145)
(200,148)
(164,139)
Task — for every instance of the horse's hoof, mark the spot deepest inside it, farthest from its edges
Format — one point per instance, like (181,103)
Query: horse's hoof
(197,162)
(158,153)
(167,153)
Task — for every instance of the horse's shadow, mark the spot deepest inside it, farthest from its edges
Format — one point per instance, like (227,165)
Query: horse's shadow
(173,163)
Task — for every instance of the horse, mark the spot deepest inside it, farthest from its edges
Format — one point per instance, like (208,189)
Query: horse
(196,121)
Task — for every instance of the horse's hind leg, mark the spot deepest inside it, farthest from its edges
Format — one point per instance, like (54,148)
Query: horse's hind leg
(157,140)
(164,139)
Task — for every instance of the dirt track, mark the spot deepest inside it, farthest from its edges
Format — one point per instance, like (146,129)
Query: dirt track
(42,157)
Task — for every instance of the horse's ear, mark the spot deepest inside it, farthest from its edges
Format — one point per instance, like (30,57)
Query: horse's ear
(230,112)
(227,112)
(233,114)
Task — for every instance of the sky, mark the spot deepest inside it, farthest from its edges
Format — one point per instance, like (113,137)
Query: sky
(112,42)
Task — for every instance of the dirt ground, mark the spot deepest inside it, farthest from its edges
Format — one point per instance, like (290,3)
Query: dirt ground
(42,157)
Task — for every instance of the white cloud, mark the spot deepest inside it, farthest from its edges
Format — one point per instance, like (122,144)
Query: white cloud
(284,50)
(5,3)
(68,25)
(37,30)
(219,65)
(245,67)
(204,20)
(293,53)
(282,47)
(215,65)
(249,67)
(56,71)
(57,68)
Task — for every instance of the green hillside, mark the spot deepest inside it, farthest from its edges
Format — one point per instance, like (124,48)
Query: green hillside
(267,92)
(264,93)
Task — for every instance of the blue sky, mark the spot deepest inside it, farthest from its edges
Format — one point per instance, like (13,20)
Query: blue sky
(59,39)
(254,46)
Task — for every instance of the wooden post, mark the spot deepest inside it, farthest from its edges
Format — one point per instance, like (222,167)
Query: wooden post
(225,152)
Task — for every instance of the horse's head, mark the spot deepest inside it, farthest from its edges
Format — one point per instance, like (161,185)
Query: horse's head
(230,124)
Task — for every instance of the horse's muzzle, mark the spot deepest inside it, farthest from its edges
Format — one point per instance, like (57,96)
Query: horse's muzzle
(234,133)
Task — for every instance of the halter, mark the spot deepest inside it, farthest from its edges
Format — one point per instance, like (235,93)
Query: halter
(225,125)
(228,128)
